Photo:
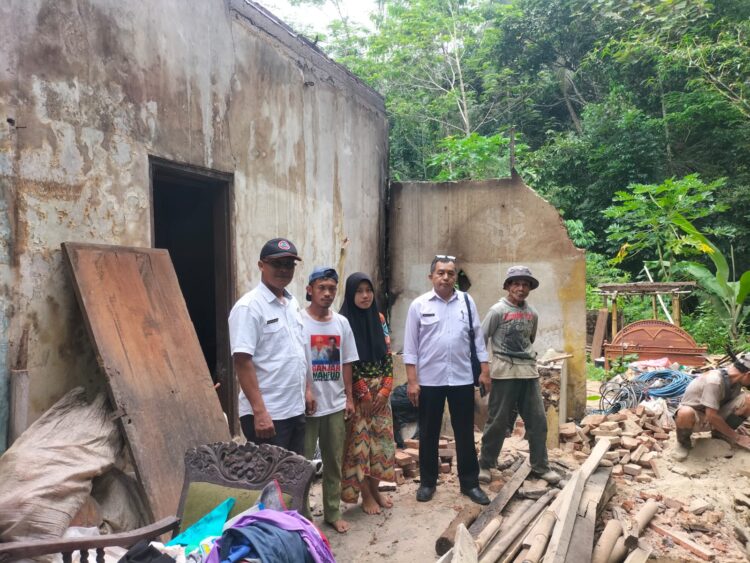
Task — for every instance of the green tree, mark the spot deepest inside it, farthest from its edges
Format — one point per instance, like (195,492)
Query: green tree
(643,219)
(728,297)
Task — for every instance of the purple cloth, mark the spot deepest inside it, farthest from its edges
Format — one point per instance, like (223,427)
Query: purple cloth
(289,520)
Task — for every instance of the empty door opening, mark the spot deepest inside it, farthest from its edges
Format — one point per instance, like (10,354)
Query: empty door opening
(191,220)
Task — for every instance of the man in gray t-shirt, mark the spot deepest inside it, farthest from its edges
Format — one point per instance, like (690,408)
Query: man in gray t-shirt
(714,401)
(513,379)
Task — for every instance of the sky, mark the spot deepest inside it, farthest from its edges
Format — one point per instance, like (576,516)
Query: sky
(318,17)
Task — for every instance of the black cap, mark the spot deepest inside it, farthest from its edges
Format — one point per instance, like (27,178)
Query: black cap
(279,248)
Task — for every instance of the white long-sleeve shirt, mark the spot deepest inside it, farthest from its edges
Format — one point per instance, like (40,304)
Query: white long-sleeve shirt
(436,339)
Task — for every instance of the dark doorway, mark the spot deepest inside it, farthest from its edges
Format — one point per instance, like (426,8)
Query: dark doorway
(191,219)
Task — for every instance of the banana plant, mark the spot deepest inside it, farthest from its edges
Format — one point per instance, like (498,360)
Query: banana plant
(727,297)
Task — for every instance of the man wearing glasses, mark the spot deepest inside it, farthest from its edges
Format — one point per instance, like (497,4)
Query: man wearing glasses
(269,354)
(438,367)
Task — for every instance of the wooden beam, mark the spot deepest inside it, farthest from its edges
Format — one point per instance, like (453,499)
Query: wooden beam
(466,516)
(501,499)
(683,540)
(581,550)
(34,548)
(600,332)
(568,510)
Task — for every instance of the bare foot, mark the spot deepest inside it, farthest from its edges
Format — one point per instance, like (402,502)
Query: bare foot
(383,500)
(341,526)
(370,505)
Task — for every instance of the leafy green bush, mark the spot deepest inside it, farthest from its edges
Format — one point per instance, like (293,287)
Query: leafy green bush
(595,373)
(706,327)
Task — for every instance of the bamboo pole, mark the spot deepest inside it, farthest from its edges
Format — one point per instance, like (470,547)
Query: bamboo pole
(608,539)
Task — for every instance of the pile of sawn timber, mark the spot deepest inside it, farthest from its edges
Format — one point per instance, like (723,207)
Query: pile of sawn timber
(541,530)
(636,437)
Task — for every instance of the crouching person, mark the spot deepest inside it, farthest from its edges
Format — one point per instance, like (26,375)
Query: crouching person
(714,401)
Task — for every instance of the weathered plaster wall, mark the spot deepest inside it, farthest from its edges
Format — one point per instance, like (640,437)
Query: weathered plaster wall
(490,226)
(96,86)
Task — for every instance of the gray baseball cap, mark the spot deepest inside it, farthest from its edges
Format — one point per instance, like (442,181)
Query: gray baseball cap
(743,359)
(520,273)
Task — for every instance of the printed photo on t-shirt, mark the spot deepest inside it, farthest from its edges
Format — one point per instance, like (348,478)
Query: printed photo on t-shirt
(325,351)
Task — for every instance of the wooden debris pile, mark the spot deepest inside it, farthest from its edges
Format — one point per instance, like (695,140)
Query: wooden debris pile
(636,436)
(556,527)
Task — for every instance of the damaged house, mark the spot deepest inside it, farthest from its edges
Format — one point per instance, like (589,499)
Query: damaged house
(204,128)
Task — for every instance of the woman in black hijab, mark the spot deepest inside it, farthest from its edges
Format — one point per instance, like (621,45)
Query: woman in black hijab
(369,449)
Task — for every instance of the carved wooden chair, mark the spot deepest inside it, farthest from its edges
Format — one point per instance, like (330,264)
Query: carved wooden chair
(213,472)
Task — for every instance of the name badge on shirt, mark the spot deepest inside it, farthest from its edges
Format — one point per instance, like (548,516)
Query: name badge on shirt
(428,314)
(272,321)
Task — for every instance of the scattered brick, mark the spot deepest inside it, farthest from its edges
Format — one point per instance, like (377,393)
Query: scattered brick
(632,469)
(629,443)
(593,419)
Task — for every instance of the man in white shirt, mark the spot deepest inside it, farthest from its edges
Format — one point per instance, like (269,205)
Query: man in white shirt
(269,354)
(332,386)
(438,367)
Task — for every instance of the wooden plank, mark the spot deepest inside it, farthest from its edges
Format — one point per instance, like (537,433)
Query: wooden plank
(683,540)
(600,332)
(466,516)
(568,510)
(501,499)
(12,551)
(580,551)
(147,347)
(464,551)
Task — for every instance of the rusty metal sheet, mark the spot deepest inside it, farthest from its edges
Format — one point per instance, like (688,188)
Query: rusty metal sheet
(158,379)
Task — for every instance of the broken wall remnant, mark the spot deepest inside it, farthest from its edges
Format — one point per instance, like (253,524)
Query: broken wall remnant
(489,226)
(90,90)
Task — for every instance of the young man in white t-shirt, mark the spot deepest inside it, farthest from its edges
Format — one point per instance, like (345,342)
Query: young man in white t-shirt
(332,386)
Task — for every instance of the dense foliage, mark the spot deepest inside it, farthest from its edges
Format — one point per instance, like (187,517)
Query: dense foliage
(625,114)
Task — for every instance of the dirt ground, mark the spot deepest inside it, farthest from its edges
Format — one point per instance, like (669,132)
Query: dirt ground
(407,532)
(404,534)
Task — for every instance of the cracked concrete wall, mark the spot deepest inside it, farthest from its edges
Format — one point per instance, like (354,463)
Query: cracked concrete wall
(490,226)
(96,86)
